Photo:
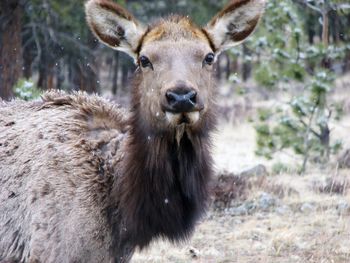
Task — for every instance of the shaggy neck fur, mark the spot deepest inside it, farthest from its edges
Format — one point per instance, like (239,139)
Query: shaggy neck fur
(164,187)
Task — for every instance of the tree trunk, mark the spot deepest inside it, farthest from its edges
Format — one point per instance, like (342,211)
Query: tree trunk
(71,73)
(311,34)
(325,27)
(115,73)
(228,66)
(77,78)
(247,66)
(28,59)
(42,80)
(46,71)
(50,76)
(84,77)
(124,76)
(326,63)
(325,141)
(10,46)
(59,75)
(89,73)
(27,64)
(83,72)
(234,66)
(346,66)
(335,27)
(218,67)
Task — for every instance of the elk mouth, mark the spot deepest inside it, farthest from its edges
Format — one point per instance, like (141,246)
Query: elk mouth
(183,117)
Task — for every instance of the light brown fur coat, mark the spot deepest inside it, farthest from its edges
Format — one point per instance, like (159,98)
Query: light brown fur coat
(56,156)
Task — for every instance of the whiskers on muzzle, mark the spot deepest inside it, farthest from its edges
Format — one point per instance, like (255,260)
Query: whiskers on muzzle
(182,118)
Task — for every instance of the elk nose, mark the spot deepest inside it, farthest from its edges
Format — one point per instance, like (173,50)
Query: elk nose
(181,100)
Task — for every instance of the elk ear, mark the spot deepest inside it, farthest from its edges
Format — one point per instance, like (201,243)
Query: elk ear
(114,26)
(232,25)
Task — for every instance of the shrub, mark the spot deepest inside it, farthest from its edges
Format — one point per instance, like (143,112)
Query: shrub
(25,89)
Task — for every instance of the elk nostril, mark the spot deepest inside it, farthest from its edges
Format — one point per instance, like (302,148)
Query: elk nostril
(171,97)
(192,97)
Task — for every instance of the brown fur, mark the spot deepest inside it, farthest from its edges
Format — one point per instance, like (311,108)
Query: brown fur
(240,36)
(174,27)
(117,35)
(58,160)
(62,181)
(112,41)
(241,20)
(231,6)
(114,8)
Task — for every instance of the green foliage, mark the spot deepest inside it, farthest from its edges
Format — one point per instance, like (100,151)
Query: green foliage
(303,127)
(264,114)
(199,10)
(279,168)
(284,55)
(25,89)
(277,42)
(265,76)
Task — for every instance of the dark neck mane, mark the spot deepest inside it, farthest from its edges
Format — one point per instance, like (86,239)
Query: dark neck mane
(164,186)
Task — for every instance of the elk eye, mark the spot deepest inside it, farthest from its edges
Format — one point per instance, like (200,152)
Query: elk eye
(209,59)
(144,62)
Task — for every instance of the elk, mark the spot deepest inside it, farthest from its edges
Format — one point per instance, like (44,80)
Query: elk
(83,180)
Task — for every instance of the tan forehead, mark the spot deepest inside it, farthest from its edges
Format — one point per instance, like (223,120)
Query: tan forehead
(175,28)
(168,47)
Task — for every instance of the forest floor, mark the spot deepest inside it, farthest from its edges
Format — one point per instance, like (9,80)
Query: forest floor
(282,217)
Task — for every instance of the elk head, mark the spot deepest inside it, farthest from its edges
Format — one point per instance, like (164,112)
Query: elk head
(175,84)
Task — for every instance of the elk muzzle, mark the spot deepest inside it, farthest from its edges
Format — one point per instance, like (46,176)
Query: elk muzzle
(181,100)
(182,105)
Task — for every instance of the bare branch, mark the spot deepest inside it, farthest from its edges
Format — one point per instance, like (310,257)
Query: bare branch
(315,8)
(342,6)
(75,42)
(312,130)
(45,29)
(308,4)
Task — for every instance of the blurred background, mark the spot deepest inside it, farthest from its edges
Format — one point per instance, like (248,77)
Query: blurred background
(284,111)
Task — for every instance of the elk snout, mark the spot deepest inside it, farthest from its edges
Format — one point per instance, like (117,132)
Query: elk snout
(181,99)
(182,104)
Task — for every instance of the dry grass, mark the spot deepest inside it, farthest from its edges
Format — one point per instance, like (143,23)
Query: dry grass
(320,237)
(227,188)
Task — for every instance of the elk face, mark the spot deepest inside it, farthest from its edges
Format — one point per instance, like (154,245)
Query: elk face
(175,58)
(176,83)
